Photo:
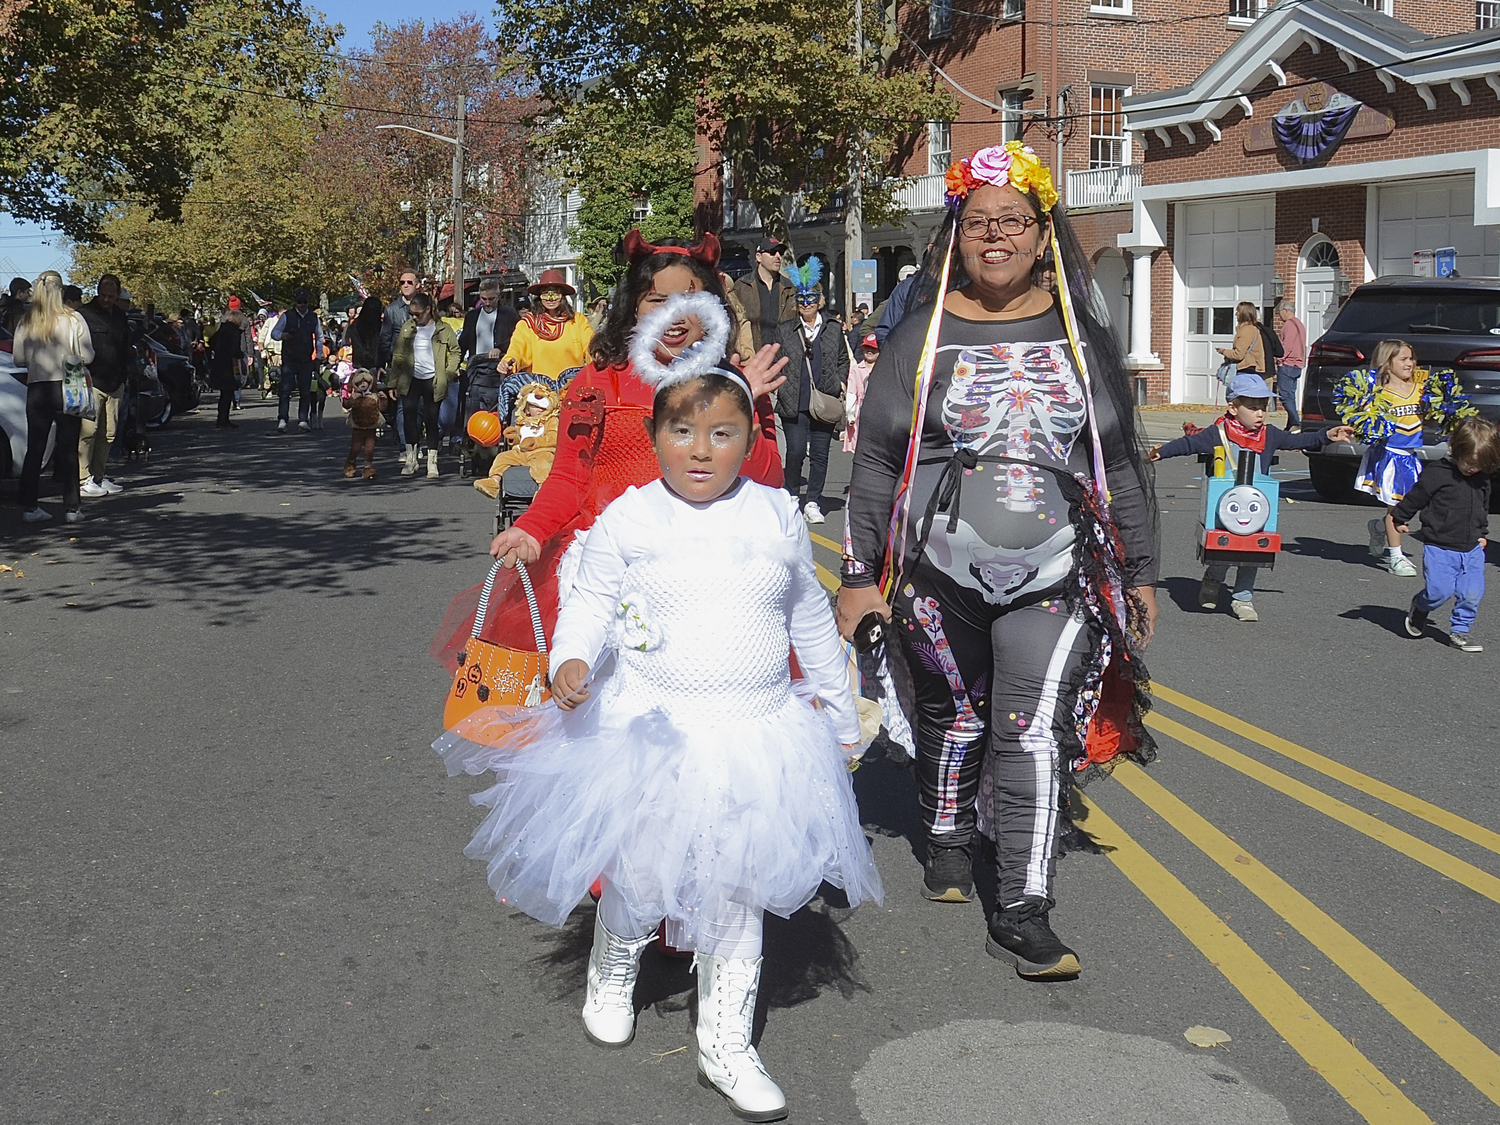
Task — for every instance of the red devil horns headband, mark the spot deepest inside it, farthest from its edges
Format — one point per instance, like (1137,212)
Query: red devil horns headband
(705,250)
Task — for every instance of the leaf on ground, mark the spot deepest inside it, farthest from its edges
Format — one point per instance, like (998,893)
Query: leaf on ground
(1201,1036)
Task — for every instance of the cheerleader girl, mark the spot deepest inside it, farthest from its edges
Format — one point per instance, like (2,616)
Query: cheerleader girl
(1387,406)
(677,758)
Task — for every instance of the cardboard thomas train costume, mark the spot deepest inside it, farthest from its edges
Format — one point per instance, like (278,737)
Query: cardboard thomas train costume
(1238,523)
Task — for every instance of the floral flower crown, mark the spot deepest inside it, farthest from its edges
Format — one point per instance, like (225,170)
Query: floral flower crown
(1011,163)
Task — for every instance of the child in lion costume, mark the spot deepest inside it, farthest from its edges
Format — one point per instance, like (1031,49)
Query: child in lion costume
(531,442)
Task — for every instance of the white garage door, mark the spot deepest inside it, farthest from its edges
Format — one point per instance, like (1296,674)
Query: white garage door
(1429,215)
(1228,255)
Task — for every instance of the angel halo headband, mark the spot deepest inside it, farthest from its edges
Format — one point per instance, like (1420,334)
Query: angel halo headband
(1012,163)
(701,358)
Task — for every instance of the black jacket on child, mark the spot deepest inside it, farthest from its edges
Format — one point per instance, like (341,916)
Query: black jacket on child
(1205,440)
(1455,508)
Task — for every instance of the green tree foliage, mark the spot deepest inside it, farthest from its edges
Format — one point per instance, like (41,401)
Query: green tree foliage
(285,196)
(618,164)
(267,211)
(774,83)
(122,100)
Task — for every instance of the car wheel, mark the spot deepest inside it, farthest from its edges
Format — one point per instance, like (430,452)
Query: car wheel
(1333,478)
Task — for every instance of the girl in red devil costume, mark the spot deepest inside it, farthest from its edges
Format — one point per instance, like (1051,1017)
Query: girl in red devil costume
(603,447)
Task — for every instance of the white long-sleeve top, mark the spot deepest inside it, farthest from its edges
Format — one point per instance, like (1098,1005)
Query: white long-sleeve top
(736,626)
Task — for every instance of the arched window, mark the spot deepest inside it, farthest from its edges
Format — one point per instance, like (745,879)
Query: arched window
(1323,255)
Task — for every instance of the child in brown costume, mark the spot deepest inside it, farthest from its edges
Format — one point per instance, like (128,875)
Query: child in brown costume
(532,440)
(363,407)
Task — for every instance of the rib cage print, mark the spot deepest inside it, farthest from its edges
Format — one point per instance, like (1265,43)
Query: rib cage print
(1022,401)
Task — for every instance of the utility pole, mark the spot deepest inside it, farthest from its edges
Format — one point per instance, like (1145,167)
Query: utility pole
(854,220)
(458,204)
(458,190)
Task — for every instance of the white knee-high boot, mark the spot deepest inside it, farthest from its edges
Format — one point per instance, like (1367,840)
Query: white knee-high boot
(727,1062)
(609,1004)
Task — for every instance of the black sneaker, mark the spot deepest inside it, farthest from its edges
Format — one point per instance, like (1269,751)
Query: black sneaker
(949,874)
(1464,643)
(1022,936)
(1416,621)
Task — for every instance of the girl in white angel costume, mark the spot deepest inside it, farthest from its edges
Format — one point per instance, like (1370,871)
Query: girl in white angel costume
(678,757)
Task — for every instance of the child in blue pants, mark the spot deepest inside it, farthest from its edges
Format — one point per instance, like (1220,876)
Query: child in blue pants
(1453,496)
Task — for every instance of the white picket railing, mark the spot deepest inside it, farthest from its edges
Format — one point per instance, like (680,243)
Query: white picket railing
(921,193)
(1104,187)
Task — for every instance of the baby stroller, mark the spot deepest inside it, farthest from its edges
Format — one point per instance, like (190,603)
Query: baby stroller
(517,488)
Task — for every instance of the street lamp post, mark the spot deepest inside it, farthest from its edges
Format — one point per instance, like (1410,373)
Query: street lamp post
(457,232)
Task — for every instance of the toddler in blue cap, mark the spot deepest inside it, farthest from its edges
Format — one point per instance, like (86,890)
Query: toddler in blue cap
(1244,427)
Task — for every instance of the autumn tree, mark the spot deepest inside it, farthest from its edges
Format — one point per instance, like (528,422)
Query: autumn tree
(262,214)
(103,102)
(415,75)
(775,85)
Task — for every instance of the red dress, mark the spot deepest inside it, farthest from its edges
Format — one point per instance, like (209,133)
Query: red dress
(602,449)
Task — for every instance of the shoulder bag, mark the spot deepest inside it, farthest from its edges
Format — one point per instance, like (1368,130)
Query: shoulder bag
(491,675)
(77,388)
(825,408)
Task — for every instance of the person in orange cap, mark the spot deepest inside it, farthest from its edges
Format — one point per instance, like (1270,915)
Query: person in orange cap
(554,339)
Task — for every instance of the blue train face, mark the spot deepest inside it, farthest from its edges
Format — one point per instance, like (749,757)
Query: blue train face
(1243,510)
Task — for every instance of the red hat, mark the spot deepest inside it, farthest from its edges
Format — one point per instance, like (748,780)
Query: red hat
(870,342)
(553,279)
(234,303)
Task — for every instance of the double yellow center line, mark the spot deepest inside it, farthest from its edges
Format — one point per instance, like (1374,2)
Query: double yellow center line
(1362,1084)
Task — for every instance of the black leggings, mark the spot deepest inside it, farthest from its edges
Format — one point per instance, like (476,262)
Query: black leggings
(421,410)
(44,406)
(1008,675)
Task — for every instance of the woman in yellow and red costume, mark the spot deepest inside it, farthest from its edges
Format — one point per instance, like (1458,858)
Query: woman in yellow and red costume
(552,338)
(603,447)
(1001,521)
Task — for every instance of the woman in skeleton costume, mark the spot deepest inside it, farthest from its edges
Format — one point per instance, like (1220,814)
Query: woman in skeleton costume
(1011,545)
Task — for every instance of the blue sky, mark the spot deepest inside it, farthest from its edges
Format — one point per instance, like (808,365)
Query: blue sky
(27,249)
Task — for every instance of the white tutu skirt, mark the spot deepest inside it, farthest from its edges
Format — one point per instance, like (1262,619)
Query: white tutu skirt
(685,818)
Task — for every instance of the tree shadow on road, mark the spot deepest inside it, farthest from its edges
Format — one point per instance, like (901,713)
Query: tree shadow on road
(156,552)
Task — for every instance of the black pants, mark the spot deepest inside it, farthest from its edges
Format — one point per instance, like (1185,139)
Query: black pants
(421,411)
(298,375)
(996,680)
(44,408)
(226,400)
(802,434)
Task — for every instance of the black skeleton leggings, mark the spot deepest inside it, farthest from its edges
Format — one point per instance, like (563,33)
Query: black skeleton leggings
(1008,674)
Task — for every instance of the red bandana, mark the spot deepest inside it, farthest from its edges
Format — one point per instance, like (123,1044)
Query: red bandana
(1245,439)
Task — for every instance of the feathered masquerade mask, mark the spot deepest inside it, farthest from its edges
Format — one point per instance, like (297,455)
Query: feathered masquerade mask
(805,278)
(637,249)
(1011,163)
(697,359)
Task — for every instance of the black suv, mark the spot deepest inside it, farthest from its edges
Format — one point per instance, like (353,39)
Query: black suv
(1451,321)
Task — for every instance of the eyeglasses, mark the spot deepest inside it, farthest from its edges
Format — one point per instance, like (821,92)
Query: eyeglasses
(774,253)
(550,294)
(408,284)
(978,226)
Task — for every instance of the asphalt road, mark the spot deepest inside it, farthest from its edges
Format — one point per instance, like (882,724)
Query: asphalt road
(232,887)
